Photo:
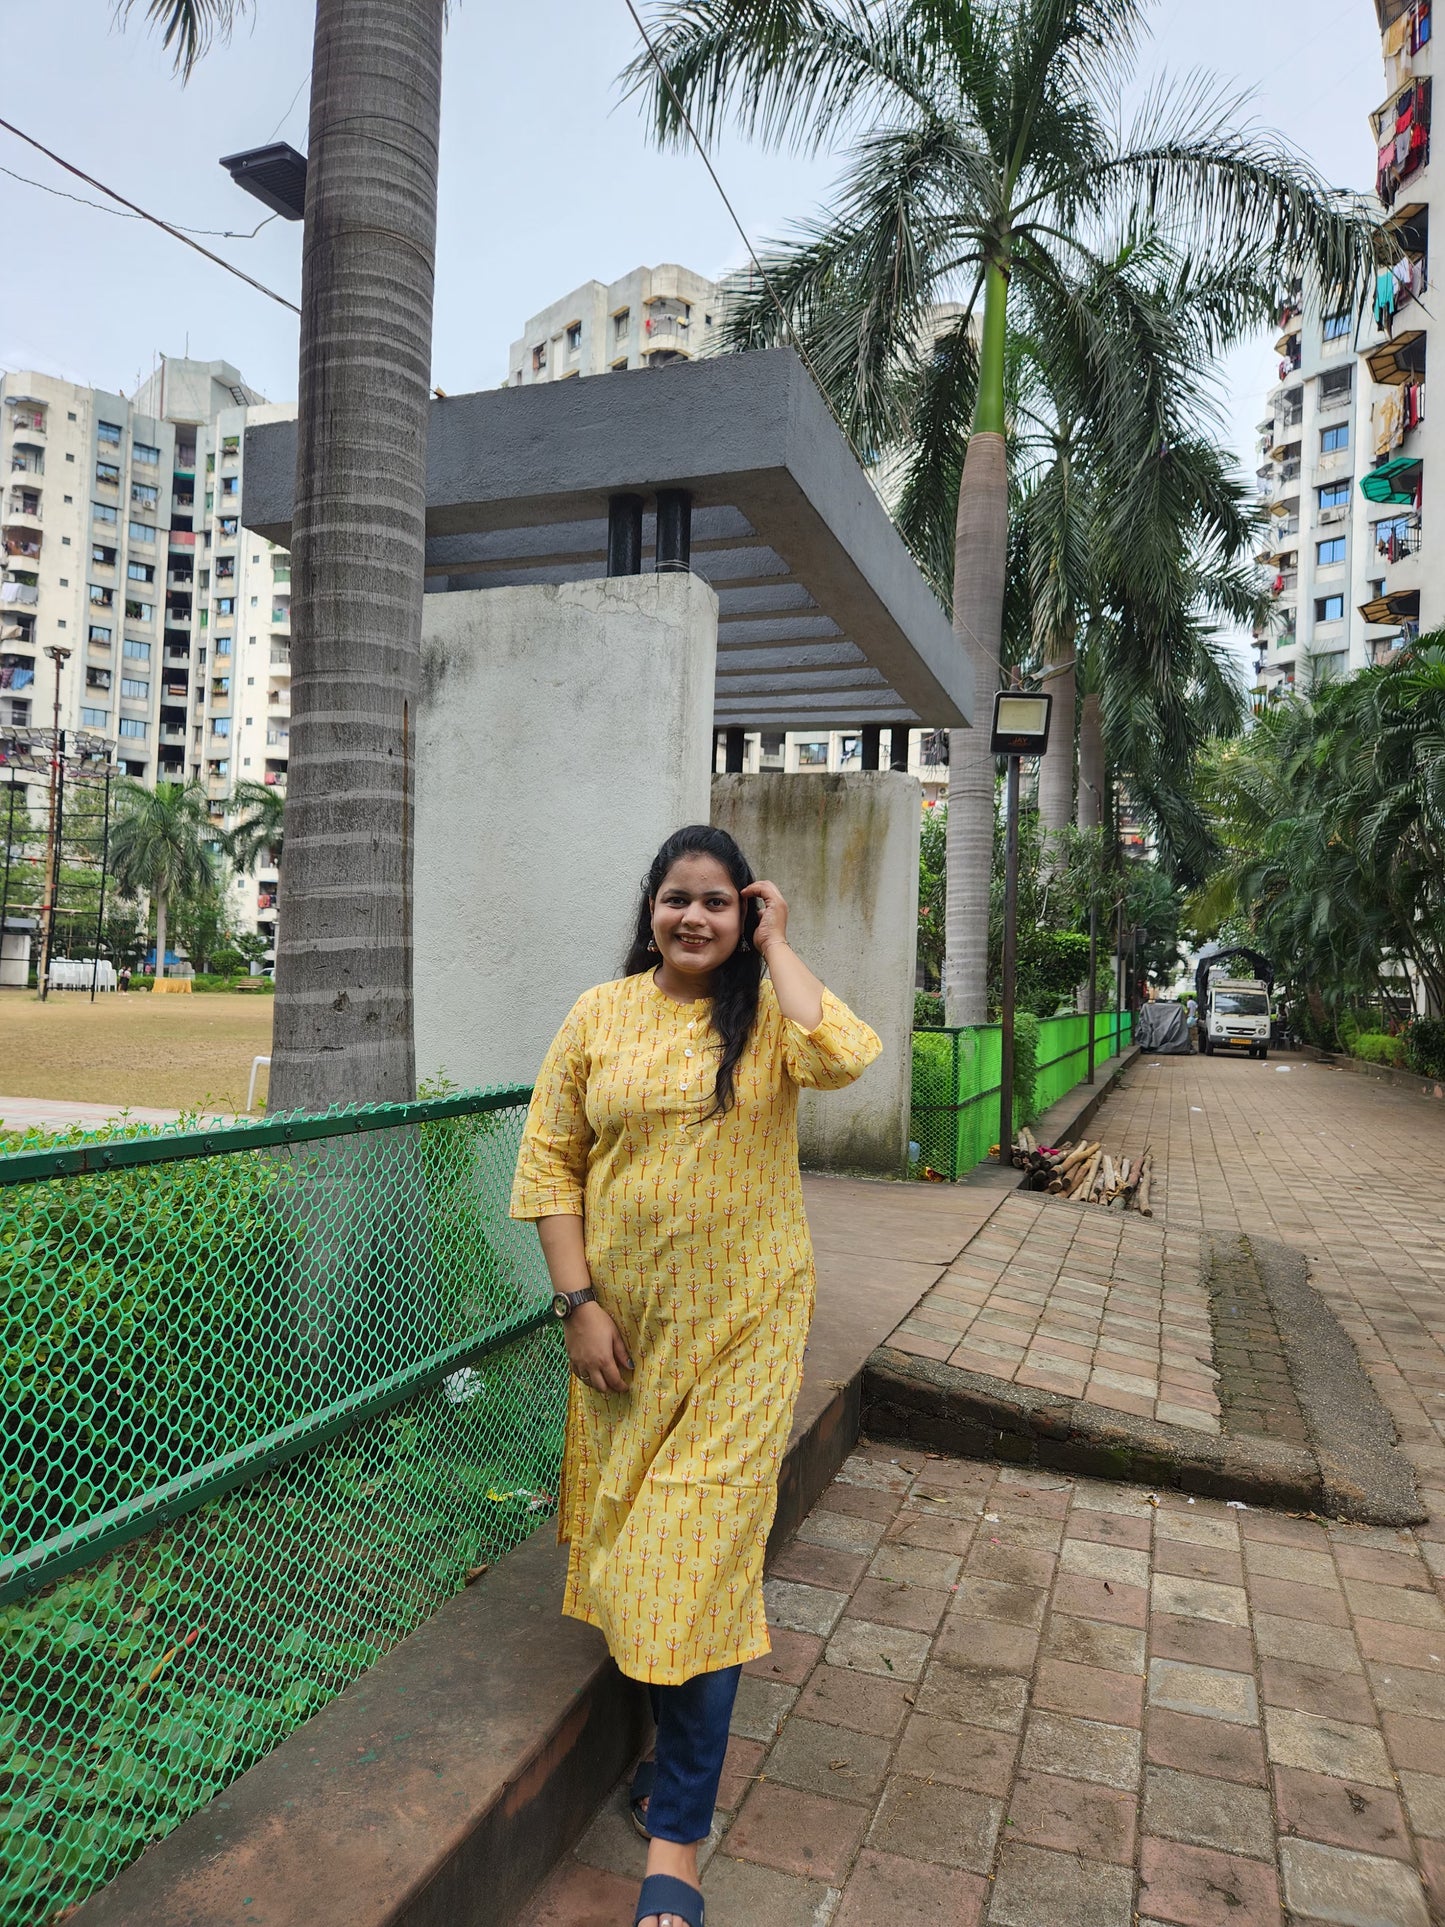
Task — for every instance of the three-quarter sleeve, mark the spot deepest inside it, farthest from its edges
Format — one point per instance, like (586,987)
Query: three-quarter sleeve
(551,1172)
(840,1048)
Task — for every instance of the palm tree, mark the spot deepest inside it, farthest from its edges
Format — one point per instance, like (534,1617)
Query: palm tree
(343,1024)
(986,165)
(260,825)
(161,846)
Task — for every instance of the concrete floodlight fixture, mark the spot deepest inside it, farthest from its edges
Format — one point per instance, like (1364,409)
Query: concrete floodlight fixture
(275,175)
(1020,723)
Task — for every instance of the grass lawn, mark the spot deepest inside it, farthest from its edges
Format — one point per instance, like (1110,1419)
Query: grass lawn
(173,1053)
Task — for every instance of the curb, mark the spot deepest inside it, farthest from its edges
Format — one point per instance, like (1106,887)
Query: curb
(1383,1074)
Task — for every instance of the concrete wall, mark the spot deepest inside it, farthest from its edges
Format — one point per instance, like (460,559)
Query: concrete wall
(563,733)
(844,852)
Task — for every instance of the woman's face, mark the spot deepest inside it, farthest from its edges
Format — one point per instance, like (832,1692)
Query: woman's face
(697,916)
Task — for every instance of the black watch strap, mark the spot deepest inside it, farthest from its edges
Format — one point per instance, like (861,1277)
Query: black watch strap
(564,1303)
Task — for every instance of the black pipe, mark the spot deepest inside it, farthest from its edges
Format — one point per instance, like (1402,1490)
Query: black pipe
(872,744)
(898,748)
(104,865)
(733,751)
(674,531)
(624,535)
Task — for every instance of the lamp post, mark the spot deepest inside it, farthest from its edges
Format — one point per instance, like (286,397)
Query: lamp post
(1020,728)
(59,655)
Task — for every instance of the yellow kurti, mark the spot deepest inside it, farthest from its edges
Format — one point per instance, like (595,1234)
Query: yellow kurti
(698,1247)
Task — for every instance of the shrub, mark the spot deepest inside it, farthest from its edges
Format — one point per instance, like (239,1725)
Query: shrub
(1425,1046)
(1026,1067)
(927,1010)
(1374,1047)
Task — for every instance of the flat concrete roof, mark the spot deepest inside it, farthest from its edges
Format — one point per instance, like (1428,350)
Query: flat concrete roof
(824,618)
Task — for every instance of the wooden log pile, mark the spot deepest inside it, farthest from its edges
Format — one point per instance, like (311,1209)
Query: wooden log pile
(1085,1173)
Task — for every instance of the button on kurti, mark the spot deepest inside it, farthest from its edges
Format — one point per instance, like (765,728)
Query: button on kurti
(698,1246)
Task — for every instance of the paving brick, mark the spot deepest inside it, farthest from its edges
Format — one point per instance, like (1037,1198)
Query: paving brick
(792,1659)
(761,1707)
(1035,1887)
(1204,1642)
(1101,1599)
(1206,1691)
(1189,1561)
(741,1765)
(1345,1813)
(1199,1887)
(1092,1642)
(1355,1889)
(1083,1750)
(1119,1564)
(1400,1645)
(579,1895)
(862,1500)
(1336,1747)
(994,1700)
(1295,1601)
(986,1599)
(948,1825)
(820,1758)
(1197,1527)
(1076,1816)
(864,1646)
(991,1558)
(810,1565)
(854,1700)
(1415,1744)
(1425,1802)
(1210,1746)
(1387,1568)
(1089,1692)
(987,1645)
(890,1602)
(1109,1528)
(797,1833)
(802,1609)
(978,1757)
(842,1531)
(885,1889)
(1401,1605)
(739,1894)
(1316,1689)
(1279,1638)
(1407,1689)
(1199,1599)
(914,1566)
(934,1532)
(1206,1812)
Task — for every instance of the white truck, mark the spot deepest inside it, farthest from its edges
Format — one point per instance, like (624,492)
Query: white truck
(1235,1015)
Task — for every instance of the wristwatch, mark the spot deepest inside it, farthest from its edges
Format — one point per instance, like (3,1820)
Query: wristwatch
(564,1303)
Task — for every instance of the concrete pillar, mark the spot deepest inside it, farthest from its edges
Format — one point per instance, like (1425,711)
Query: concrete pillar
(872,743)
(843,849)
(898,748)
(733,746)
(563,732)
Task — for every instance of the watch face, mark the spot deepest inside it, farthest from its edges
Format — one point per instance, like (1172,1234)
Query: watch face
(560,1304)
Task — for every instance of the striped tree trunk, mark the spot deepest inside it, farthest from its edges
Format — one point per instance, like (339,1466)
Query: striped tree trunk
(343,1025)
(1091,764)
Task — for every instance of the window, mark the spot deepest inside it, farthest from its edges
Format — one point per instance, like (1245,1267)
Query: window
(94,718)
(99,636)
(230,485)
(1336,326)
(138,691)
(1334,438)
(622,324)
(1332,665)
(107,474)
(102,512)
(1336,386)
(210,500)
(221,726)
(220,685)
(812,755)
(133,726)
(140,572)
(97,678)
(1329,608)
(136,651)
(539,357)
(223,645)
(144,495)
(101,598)
(1331,551)
(1335,495)
(139,611)
(225,605)
(107,432)
(70,414)
(144,452)
(574,338)
(140,532)
(101,556)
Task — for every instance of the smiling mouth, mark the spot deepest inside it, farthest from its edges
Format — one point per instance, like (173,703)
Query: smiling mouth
(694,943)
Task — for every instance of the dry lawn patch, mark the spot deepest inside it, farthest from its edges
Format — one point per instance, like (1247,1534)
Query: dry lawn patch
(172,1053)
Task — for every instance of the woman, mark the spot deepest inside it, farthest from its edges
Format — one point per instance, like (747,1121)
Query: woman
(660,1161)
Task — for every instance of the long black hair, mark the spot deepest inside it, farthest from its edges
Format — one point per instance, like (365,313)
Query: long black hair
(736,982)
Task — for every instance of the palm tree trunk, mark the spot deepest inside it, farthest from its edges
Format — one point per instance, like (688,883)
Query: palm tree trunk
(980,561)
(343,1026)
(1091,764)
(160,933)
(1056,769)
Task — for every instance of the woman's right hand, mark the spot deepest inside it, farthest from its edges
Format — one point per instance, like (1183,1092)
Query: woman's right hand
(597,1350)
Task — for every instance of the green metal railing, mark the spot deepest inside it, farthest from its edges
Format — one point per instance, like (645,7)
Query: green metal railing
(957,1080)
(271,1394)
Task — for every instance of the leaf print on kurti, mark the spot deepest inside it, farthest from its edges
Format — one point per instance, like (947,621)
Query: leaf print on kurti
(698,1247)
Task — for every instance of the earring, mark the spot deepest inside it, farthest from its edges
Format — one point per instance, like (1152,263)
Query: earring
(652,944)
(744,945)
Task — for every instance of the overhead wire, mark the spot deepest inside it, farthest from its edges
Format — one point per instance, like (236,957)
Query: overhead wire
(143,214)
(121,214)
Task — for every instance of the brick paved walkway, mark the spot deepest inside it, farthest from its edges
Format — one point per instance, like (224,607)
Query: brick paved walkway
(1002,1697)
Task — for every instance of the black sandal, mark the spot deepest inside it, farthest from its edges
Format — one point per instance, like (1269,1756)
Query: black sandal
(639,1793)
(663,1895)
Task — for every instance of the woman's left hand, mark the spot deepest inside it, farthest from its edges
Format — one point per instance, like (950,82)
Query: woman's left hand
(772,918)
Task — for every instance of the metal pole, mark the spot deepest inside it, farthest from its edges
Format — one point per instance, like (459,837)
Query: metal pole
(624,535)
(1093,982)
(5,887)
(1010,965)
(104,862)
(898,748)
(47,910)
(673,548)
(1118,976)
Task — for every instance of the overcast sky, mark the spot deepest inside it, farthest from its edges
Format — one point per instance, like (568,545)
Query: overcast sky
(546,177)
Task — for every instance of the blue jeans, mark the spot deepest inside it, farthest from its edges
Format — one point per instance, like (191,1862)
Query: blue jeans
(692,1737)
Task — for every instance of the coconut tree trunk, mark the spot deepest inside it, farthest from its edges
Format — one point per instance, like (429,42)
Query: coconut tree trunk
(979,568)
(1056,769)
(343,1025)
(160,933)
(1091,764)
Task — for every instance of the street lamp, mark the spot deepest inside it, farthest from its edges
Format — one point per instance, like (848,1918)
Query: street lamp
(59,655)
(1020,728)
(274,175)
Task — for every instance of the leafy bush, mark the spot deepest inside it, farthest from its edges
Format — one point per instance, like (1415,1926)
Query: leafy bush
(1425,1046)
(927,1010)
(1374,1047)
(1026,1062)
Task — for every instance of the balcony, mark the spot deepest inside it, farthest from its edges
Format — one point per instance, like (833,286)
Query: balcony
(181,538)
(170,735)
(281,615)
(22,509)
(280,662)
(30,420)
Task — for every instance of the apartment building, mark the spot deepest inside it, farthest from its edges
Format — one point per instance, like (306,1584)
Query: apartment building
(123,541)
(649,318)
(1345,444)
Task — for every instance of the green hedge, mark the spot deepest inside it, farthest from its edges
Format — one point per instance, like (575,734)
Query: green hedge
(1375,1047)
(1425,1046)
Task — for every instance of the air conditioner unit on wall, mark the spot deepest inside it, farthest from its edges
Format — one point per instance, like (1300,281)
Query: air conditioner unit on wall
(1340,514)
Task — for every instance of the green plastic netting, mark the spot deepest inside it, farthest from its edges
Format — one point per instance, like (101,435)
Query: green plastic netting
(264,1410)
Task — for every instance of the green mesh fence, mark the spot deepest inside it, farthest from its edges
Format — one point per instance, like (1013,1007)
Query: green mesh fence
(957,1078)
(271,1394)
